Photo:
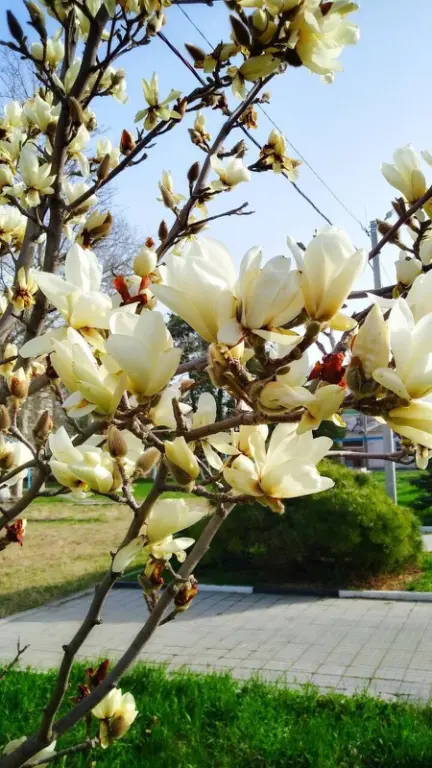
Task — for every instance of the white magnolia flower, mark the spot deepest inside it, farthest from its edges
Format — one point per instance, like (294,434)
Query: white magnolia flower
(202,287)
(406,174)
(157,110)
(6,176)
(165,549)
(267,297)
(74,191)
(46,752)
(179,454)
(10,148)
(203,416)
(14,454)
(108,705)
(330,266)
(12,115)
(116,712)
(319,36)
(168,194)
(82,468)
(169,516)
(145,262)
(143,347)
(36,177)
(199,286)
(114,80)
(407,268)
(419,296)
(411,345)
(371,345)
(413,422)
(162,414)
(426,250)
(12,224)
(104,147)
(288,390)
(52,52)
(93,387)
(230,173)
(273,154)
(75,149)
(324,406)
(76,296)
(286,469)
(40,113)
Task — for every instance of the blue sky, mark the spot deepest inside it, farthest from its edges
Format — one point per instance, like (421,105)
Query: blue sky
(345,130)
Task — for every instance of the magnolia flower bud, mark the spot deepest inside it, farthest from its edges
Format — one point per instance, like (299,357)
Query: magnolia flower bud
(240,32)
(116,443)
(7,461)
(18,387)
(193,173)
(15,28)
(181,460)
(196,53)
(163,230)
(43,426)
(181,107)
(37,18)
(186,385)
(127,142)
(148,460)
(76,111)
(384,228)
(259,20)
(407,269)
(104,167)
(145,262)
(185,595)
(5,419)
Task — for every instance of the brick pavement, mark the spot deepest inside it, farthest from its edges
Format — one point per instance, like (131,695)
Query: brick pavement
(347,645)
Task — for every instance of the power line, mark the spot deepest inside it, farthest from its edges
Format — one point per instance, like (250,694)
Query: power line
(275,125)
(242,127)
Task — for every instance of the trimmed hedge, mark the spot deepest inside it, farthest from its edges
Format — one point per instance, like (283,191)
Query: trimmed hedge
(351,532)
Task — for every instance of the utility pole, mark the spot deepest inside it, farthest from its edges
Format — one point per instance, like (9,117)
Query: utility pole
(389,466)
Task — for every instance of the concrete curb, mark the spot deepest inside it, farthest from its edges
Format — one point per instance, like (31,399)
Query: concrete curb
(358,594)
(248,590)
(372,594)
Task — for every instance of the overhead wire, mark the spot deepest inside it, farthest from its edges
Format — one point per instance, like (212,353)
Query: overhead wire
(296,150)
(193,71)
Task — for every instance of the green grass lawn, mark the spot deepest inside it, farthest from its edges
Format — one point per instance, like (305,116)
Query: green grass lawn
(192,721)
(423,582)
(406,492)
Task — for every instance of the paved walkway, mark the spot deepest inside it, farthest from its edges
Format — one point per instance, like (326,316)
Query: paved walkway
(348,645)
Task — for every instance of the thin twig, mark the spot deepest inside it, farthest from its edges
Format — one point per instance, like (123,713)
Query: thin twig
(85,746)
(14,661)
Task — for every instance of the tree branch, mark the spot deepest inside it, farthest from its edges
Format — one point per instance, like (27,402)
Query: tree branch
(400,222)
(181,221)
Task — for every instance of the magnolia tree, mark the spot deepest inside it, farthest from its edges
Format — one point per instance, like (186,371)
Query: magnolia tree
(111,359)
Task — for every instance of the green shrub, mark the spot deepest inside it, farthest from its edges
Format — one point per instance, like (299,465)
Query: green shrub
(352,531)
